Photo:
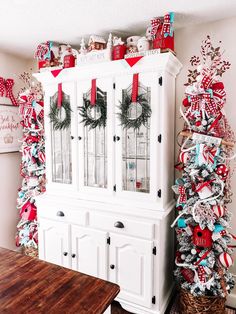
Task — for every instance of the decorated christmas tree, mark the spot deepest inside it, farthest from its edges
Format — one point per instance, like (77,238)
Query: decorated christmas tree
(33,162)
(202,226)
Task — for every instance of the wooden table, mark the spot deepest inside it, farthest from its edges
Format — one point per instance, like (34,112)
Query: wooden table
(32,286)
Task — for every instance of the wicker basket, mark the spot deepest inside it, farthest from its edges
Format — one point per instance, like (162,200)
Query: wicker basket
(30,251)
(188,304)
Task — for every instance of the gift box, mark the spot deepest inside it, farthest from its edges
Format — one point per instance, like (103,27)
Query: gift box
(118,52)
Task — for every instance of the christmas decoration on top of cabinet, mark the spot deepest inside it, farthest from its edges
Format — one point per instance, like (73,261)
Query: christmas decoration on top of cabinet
(32,167)
(94,111)
(135,110)
(204,188)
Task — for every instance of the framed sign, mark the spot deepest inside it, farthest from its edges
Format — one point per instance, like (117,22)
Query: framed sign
(10,129)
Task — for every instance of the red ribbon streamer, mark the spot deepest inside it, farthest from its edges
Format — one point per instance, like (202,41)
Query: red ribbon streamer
(93,93)
(203,256)
(135,87)
(59,97)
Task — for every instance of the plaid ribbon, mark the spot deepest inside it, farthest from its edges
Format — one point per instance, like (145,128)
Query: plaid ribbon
(6,87)
(156,23)
(182,195)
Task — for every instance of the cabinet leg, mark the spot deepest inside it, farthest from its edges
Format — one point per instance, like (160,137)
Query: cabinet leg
(108,310)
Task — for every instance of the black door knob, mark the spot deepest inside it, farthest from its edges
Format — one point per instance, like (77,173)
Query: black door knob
(119,224)
(79,138)
(112,266)
(72,137)
(60,213)
(73,255)
(65,253)
(117,138)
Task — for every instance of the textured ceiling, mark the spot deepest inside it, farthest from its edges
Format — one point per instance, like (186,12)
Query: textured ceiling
(25,23)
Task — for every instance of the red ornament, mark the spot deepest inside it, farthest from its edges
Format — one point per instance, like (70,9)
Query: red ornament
(185,102)
(188,274)
(222,171)
(28,211)
(198,123)
(202,238)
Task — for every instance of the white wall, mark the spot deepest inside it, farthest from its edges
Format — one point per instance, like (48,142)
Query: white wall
(188,41)
(10,179)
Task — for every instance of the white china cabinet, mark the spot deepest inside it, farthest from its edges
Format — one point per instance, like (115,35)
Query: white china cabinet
(108,206)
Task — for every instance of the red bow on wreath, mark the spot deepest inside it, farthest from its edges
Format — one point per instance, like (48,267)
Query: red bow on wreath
(6,89)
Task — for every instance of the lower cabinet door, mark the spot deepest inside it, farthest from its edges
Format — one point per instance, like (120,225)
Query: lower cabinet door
(54,242)
(131,267)
(89,251)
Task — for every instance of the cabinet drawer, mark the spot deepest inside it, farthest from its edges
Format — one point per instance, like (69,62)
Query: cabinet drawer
(78,217)
(122,225)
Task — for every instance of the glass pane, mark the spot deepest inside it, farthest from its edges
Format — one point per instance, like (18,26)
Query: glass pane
(136,151)
(95,147)
(61,152)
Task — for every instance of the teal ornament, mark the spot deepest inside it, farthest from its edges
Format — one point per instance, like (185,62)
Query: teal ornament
(181,223)
(203,262)
(218,228)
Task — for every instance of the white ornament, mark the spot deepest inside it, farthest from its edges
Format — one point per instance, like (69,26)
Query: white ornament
(225,259)
(132,41)
(143,44)
(193,251)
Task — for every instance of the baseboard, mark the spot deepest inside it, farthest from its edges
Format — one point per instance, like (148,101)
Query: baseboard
(231,300)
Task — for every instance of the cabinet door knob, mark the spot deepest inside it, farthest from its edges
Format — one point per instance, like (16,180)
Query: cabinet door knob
(117,138)
(79,138)
(72,137)
(119,224)
(112,266)
(65,253)
(73,255)
(60,213)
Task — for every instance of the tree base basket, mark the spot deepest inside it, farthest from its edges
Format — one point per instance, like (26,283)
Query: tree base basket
(30,251)
(188,304)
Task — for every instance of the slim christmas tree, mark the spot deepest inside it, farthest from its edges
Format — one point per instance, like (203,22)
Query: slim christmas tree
(33,163)
(204,251)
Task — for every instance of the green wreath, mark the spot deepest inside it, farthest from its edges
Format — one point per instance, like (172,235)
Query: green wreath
(142,119)
(91,121)
(55,115)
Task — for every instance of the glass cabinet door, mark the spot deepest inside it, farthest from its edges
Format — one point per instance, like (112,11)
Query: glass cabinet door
(136,148)
(95,142)
(61,147)
(95,136)
(136,125)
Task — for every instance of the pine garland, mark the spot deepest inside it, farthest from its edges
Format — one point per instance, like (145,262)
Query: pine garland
(141,120)
(55,115)
(87,120)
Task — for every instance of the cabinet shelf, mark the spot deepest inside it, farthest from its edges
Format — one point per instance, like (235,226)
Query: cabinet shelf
(136,157)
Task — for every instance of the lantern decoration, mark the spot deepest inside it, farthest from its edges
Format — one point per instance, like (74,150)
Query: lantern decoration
(203,188)
(69,57)
(119,49)
(202,238)
(225,260)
